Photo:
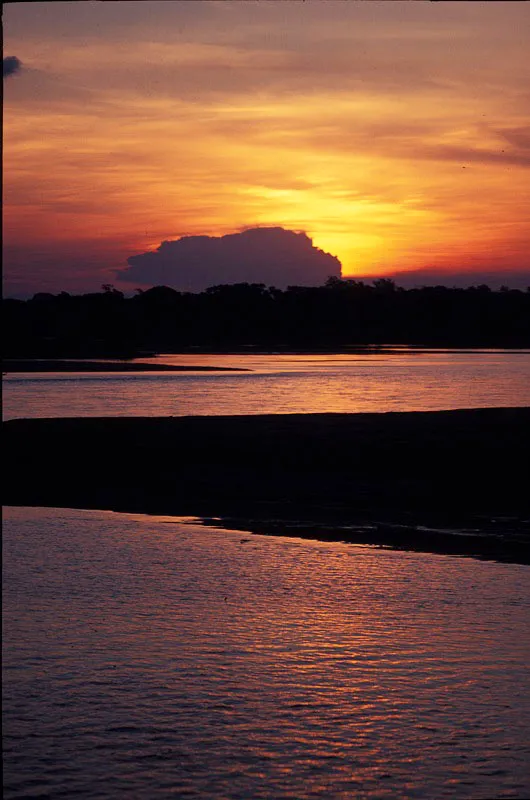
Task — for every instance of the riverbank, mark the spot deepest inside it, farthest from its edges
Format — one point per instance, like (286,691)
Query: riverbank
(412,479)
(60,365)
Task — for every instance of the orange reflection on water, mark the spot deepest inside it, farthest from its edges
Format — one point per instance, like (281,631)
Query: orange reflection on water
(398,380)
(255,665)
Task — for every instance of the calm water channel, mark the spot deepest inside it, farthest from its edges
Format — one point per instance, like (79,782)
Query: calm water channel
(153,657)
(397,381)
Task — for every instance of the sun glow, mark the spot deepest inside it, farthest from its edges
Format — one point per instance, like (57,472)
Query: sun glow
(385,162)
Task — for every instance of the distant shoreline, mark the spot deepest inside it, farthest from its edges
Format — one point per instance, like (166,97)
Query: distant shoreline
(66,365)
(445,481)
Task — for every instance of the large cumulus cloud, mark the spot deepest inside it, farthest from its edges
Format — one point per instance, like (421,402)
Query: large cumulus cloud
(274,256)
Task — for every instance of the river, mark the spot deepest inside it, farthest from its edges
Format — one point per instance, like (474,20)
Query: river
(151,657)
(400,379)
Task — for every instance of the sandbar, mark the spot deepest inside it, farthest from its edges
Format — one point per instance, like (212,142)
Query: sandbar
(444,481)
(69,365)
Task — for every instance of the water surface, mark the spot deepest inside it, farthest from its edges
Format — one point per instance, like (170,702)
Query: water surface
(399,380)
(153,658)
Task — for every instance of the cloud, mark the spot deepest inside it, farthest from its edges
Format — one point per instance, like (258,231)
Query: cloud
(518,137)
(11,65)
(274,256)
(38,90)
(464,155)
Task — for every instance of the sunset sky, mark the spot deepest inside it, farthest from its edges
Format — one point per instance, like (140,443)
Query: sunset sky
(395,134)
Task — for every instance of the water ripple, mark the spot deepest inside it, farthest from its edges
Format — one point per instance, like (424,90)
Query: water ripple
(150,660)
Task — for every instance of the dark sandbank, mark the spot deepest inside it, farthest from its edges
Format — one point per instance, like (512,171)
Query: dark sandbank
(397,479)
(44,365)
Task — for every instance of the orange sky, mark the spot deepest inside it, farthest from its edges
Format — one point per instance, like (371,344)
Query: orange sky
(396,134)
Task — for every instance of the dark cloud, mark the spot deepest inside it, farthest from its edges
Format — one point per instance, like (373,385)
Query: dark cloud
(274,256)
(405,140)
(465,155)
(11,65)
(518,137)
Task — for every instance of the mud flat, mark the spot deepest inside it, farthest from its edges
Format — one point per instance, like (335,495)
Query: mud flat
(59,365)
(446,481)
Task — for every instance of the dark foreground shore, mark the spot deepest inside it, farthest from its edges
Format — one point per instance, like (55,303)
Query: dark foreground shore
(449,481)
(59,365)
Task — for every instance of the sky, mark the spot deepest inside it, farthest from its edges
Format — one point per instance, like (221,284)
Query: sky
(394,135)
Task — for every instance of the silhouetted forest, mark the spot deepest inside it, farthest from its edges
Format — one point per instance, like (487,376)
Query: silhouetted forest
(338,314)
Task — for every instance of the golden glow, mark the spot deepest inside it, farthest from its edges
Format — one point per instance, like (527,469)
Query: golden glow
(385,178)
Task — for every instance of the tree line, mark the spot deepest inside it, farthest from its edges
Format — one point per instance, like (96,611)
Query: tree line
(341,313)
